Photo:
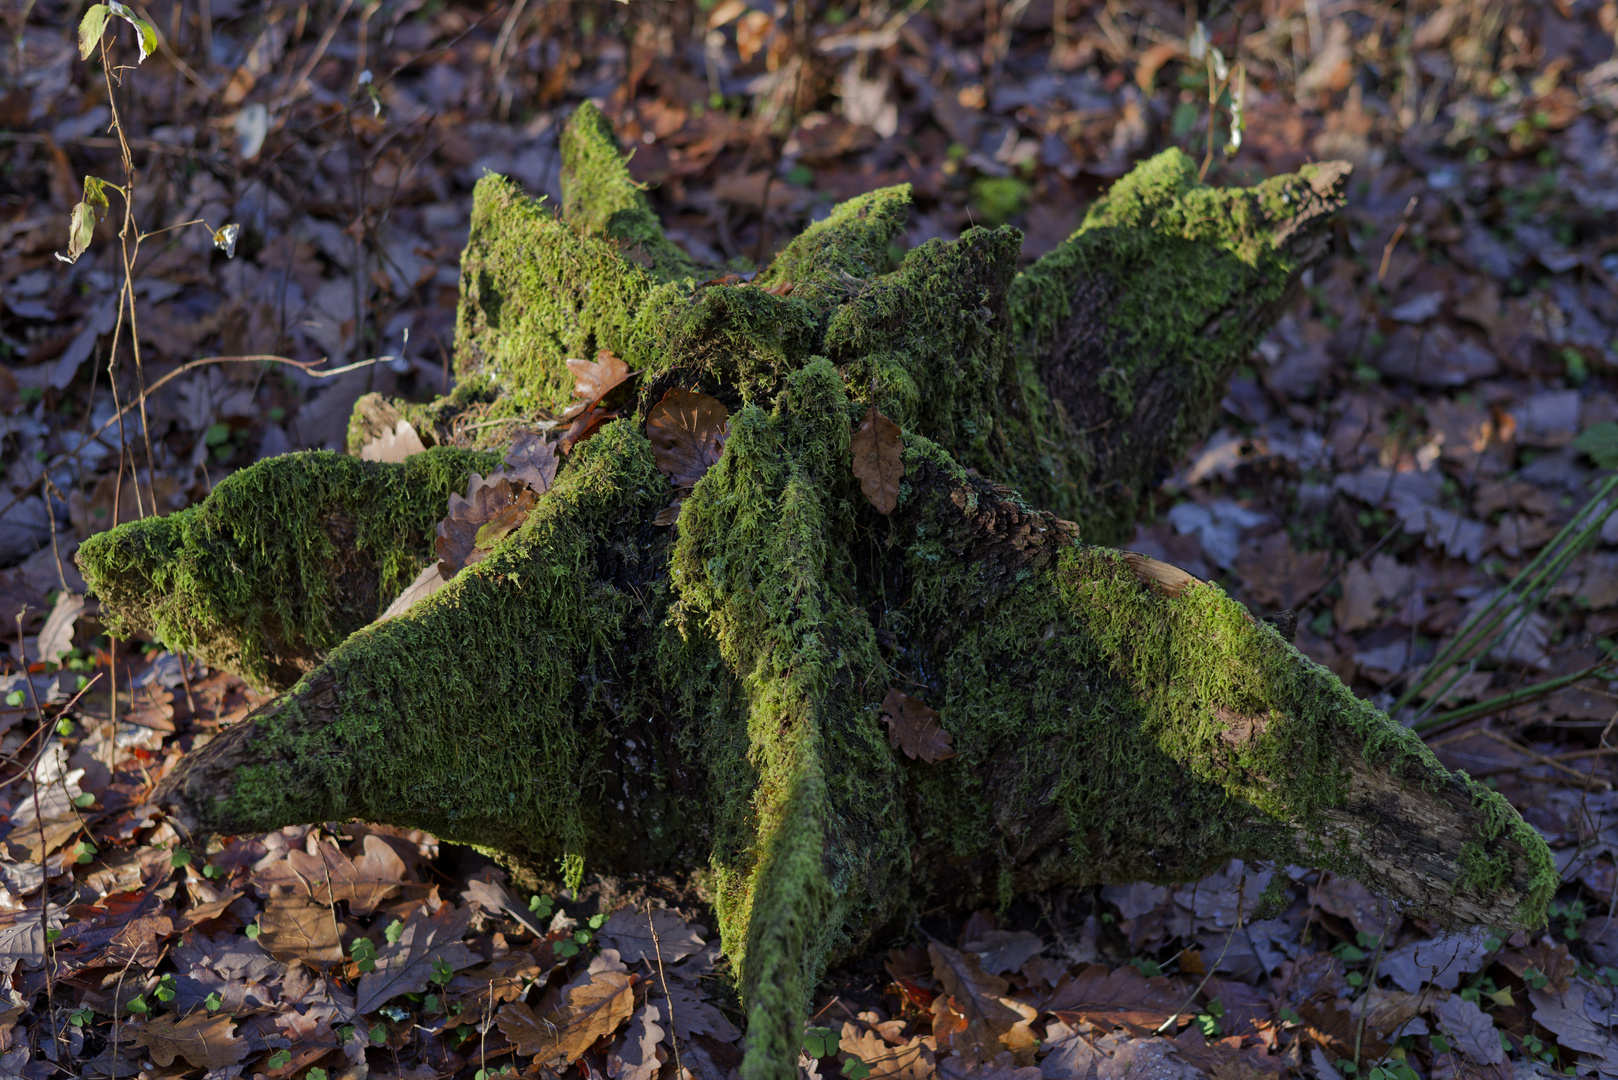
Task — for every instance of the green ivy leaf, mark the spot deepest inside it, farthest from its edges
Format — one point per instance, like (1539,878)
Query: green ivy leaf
(91,27)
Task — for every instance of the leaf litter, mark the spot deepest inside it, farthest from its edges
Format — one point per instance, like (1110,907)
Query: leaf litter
(1453,396)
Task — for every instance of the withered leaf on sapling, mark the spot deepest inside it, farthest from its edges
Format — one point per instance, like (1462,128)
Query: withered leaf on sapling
(878,463)
(491,510)
(687,431)
(914,728)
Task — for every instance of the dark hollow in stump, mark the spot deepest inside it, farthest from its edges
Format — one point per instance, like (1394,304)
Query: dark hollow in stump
(604,691)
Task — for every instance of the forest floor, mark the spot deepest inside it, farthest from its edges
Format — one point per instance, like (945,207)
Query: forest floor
(1431,416)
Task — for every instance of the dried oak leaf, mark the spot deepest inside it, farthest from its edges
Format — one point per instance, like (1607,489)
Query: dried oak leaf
(634,1055)
(532,459)
(427,943)
(914,728)
(395,445)
(911,1060)
(561,1037)
(687,431)
(297,928)
(994,1021)
(1470,1029)
(1123,998)
(204,1041)
(584,426)
(593,379)
(661,937)
(364,882)
(878,460)
(492,509)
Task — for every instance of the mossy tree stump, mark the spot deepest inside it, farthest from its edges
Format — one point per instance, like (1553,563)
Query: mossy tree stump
(605,692)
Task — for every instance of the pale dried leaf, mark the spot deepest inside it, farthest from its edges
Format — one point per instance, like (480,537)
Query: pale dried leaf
(204,1041)
(532,459)
(993,1020)
(634,1055)
(561,1036)
(878,449)
(630,931)
(364,882)
(911,1060)
(494,897)
(1169,580)
(1123,998)
(394,446)
(1001,951)
(591,380)
(297,928)
(688,1015)
(427,582)
(56,637)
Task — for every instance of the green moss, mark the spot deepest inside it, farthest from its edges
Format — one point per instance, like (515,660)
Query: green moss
(762,565)
(600,198)
(503,745)
(1134,301)
(844,249)
(282,561)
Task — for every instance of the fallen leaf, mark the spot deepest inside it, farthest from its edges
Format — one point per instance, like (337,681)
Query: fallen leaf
(494,897)
(687,431)
(563,1035)
(914,728)
(1470,1029)
(593,379)
(364,882)
(297,928)
(1171,581)
(584,427)
(634,1055)
(532,459)
(1278,576)
(204,1041)
(878,451)
(911,1060)
(426,944)
(496,499)
(1001,951)
(993,1020)
(429,581)
(1123,998)
(630,931)
(56,637)
(690,1015)
(394,445)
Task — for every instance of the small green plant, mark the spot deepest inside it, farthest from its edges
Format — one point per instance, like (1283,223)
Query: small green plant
(279,1060)
(166,989)
(1208,1019)
(819,1042)
(997,198)
(392,932)
(213,1002)
(363,952)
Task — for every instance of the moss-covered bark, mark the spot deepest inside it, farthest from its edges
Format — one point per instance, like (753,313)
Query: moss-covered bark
(604,692)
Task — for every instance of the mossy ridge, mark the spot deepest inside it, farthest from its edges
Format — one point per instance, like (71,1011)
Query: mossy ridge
(1173,688)
(599,198)
(762,565)
(503,748)
(1154,256)
(254,580)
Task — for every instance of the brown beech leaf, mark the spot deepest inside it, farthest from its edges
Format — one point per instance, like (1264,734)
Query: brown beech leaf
(914,728)
(878,461)
(462,538)
(204,1041)
(781,288)
(297,928)
(592,379)
(532,459)
(688,432)
(1123,998)
(561,1036)
(1171,581)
